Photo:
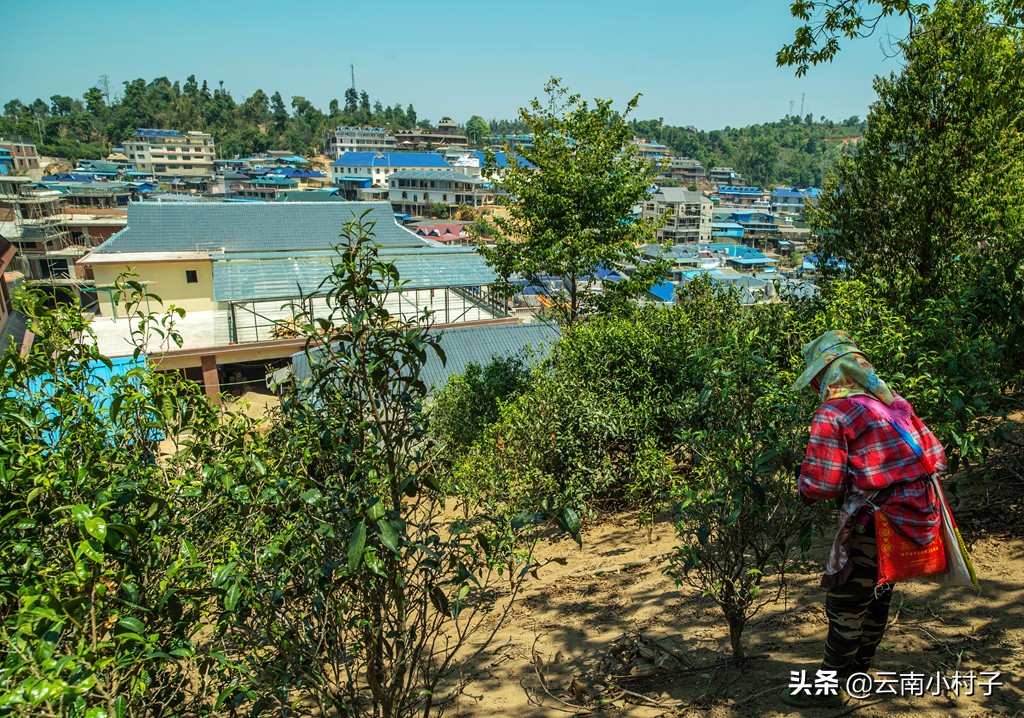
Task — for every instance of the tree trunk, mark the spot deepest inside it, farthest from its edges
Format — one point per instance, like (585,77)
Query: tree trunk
(735,638)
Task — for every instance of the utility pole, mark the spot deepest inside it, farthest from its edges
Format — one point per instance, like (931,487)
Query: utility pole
(352,67)
(790,108)
(802,94)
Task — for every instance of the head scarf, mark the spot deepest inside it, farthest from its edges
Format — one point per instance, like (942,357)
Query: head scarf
(853,375)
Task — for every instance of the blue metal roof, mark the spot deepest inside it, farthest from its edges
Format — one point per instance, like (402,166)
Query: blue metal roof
(739,190)
(391,159)
(158,133)
(664,291)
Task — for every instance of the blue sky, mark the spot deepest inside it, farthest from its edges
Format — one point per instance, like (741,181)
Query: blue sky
(706,64)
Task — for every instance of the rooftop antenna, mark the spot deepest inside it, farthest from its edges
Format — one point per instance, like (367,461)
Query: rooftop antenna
(352,67)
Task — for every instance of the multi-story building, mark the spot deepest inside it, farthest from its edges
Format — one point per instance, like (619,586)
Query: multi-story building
(651,149)
(791,201)
(740,196)
(34,221)
(357,167)
(360,139)
(689,214)
(688,170)
(415,192)
(446,134)
(169,153)
(23,154)
(726,176)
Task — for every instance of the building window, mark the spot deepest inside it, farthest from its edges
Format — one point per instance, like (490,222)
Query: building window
(191,276)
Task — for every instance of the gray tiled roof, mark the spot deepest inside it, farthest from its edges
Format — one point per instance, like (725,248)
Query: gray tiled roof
(250,226)
(463,345)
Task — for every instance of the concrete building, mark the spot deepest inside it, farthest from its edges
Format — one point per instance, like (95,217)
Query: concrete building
(247,271)
(23,154)
(6,161)
(740,196)
(791,201)
(689,214)
(688,170)
(726,176)
(415,192)
(360,139)
(446,134)
(33,221)
(357,167)
(169,153)
(651,149)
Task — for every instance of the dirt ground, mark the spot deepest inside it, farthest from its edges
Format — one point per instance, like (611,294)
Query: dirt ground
(611,604)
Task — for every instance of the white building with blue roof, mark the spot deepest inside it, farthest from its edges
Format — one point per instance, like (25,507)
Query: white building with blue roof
(379,166)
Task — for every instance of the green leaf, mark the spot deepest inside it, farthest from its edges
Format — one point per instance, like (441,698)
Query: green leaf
(97,528)
(388,535)
(440,601)
(355,546)
(231,596)
(132,624)
(115,407)
(570,522)
(91,549)
(374,510)
(313,497)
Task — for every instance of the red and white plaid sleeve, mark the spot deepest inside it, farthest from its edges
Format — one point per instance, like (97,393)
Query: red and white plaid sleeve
(823,473)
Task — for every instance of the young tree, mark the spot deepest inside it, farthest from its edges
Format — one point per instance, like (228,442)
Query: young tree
(571,206)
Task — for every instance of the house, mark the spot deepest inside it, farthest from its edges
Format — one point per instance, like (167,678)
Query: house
(740,196)
(378,166)
(169,153)
(23,154)
(446,134)
(689,214)
(6,161)
(417,192)
(650,149)
(725,176)
(360,139)
(791,201)
(266,188)
(246,271)
(33,220)
(451,234)
(690,171)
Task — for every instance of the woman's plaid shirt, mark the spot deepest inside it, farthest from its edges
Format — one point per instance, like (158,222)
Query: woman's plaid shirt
(853,449)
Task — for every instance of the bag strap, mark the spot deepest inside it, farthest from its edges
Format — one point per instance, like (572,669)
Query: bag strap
(915,446)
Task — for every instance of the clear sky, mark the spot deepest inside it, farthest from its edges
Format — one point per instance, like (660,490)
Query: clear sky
(708,64)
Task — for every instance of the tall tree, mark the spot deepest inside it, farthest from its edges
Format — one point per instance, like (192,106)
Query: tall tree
(351,100)
(937,178)
(570,205)
(477,129)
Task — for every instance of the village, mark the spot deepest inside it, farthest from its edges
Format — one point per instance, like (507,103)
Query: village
(239,243)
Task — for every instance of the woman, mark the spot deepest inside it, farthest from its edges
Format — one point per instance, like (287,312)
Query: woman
(861,453)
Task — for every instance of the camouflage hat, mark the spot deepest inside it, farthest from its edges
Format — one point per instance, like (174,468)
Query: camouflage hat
(822,351)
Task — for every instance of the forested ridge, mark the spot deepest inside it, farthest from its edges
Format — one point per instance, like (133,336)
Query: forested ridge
(793,150)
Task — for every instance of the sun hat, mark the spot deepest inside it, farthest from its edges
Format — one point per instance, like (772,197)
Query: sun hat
(822,351)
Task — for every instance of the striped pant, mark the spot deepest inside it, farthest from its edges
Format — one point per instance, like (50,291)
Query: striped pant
(856,615)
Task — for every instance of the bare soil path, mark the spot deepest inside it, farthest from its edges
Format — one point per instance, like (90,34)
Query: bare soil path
(611,610)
